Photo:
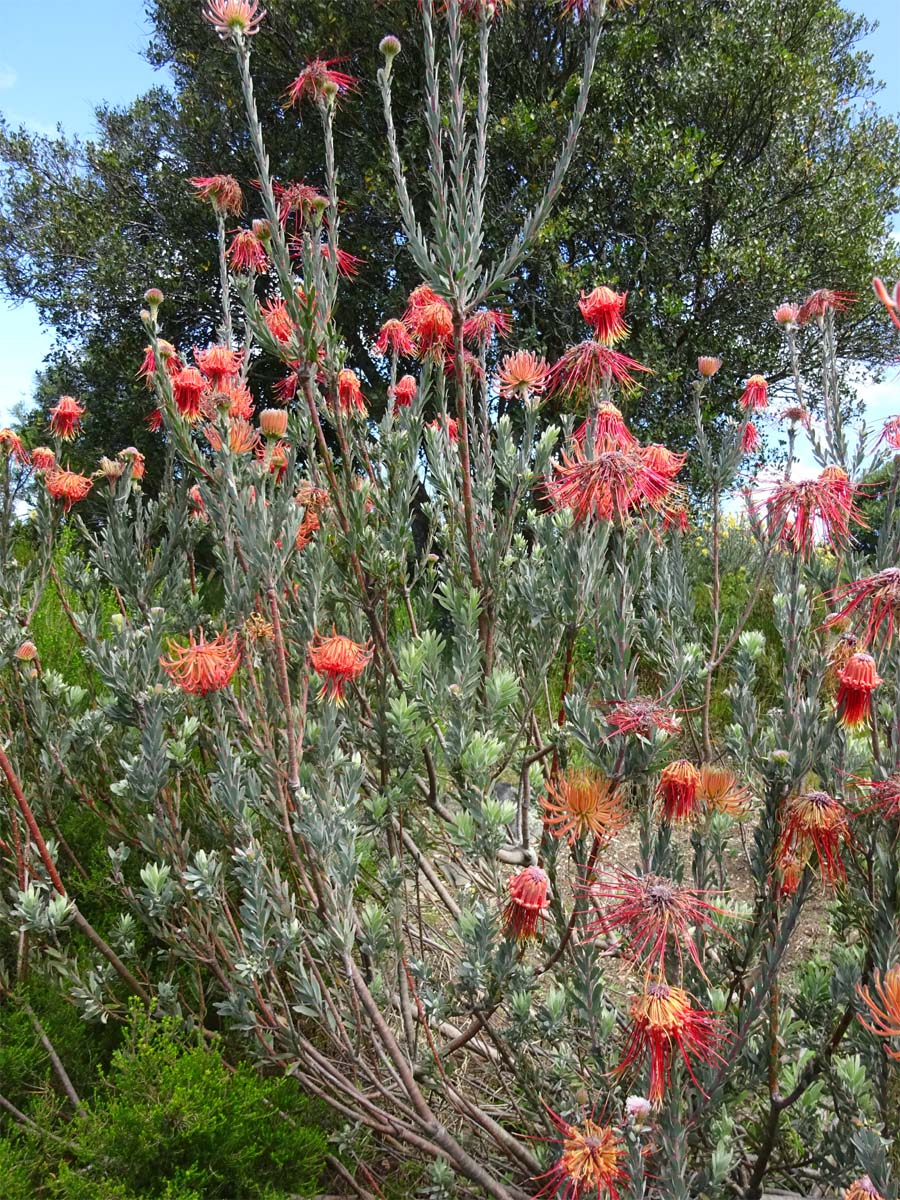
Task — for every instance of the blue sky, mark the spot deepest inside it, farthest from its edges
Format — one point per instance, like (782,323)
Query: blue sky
(57,64)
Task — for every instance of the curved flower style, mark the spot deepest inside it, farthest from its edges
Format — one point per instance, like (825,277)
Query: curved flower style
(483,326)
(603,310)
(67,486)
(222,191)
(816,821)
(890,301)
(394,337)
(876,595)
(583,801)
(590,365)
(678,791)
(232,18)
(858,680)
(722,791)
(317,78)
(523,373)
(11,445)
(203,666)
(642,717)
(801,509)
(609,486)
(663,1021)
(755,395)
(822,301)
(883,1007)
(529,899)
(590,1162)
(246,254)
(337,660)
(65,418)
(647,911)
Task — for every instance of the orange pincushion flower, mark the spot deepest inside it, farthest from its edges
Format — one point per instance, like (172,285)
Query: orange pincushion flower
(676,516)
(188,387)
(878,595)
(27,652)
(394,337)
(273,422)
(677,791)
(203,666)
(884,1007)
(583,801)
(608,486)
(350,393)
(529,899)
(431,324)
(43,458)
(67,486)
(404,391)
(239,400)
(662,459)
(786,314)
(647,910)
(816,821)
(232,18)
(663,1021)
(859,679)
(337,660)
(862,1189)
(709,365)
(218,364)
(242,437)
(65,418)
(756,394)
(721,790)
(789,868)
(523,374)
(603,310)
(222,191)
(278,322)
(610,430)
(590,1163)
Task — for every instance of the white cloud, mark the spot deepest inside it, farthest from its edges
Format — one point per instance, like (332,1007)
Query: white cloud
(7,77)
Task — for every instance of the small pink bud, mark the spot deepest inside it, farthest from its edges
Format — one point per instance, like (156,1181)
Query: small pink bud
(389,47)
(262,230)
(27,652)
(154,297)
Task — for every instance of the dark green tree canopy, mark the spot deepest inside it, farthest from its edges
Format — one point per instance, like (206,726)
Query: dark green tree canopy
(732,157)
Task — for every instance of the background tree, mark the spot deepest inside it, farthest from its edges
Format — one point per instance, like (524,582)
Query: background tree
(732,157)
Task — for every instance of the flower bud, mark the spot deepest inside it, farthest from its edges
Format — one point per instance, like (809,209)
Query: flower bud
(262,230)
(708,365)
(27,652)
(273,422)
(154,298)
(330,91)
(390,48)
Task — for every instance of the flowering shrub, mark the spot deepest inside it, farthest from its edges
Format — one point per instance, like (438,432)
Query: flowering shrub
(403,735)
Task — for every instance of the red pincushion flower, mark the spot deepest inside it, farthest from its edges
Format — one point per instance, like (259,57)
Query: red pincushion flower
(278,322)
(822,301)
(755,395)
(67,486)
(589,365)
(337,660)
(675,516)
(218,364)
(483,326)
(826,504)
(523,374)
(642,717)
(883,1007)
(878,595)
(886,794)
(222,191)
(418,298)
(661,459)
(239,399)
(299,200)
(154,420)
(663,1021)
(797,414)
(203,666)
(65,418)
(529,899)
(647,910)
(608,486)
(590,1162)
(447,426)
(131,455)
(858,680)
(394,337)
(11,444)
(890,434)
(816,821)
(431,324)
(677,791)
(347,264)
(247,254)
(610,430)
(583,801)
(234,17)
(43,458)
(750,438)
(350,394)
(404,391)
(167,353)
(188,387)
(316,78)
(603,310)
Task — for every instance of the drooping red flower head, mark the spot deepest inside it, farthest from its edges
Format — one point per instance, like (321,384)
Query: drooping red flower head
(603,310)
(647,911)
(43,458)
(67,486)
(308,526)
(350,393)
(203,666)
(154,420)
(447,426)
(590,1164)
(298,200)
(337,660)
(890,434)
(786,314)
(883,1008)
(188,387)
(582,801)
(675,516)
(610,430)
(483,326)
(858,680)
(609,486)
(234,18)
(529,899)
(662,459)
(431,324)
(822,301)
(278,322)
(247,254)
(347,264)
(873,600)
(789,868)
(418,298)
(394,337)
(11,445)
(663,1023)
(523,374)
(708,365)
(317,78)
(167,353)
(677,791)
(886,795)
(815,821)
(133,457)
(755,395)
(801,509)
(65,418)
(862,1189)
(890,302)
(195,502)
(585,368)
(641,717)
(222,191)
(239,400)
(750,438)
(404,391)
(218,364)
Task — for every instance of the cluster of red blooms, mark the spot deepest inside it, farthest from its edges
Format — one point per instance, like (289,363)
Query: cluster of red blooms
(800,510)
(814,822)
